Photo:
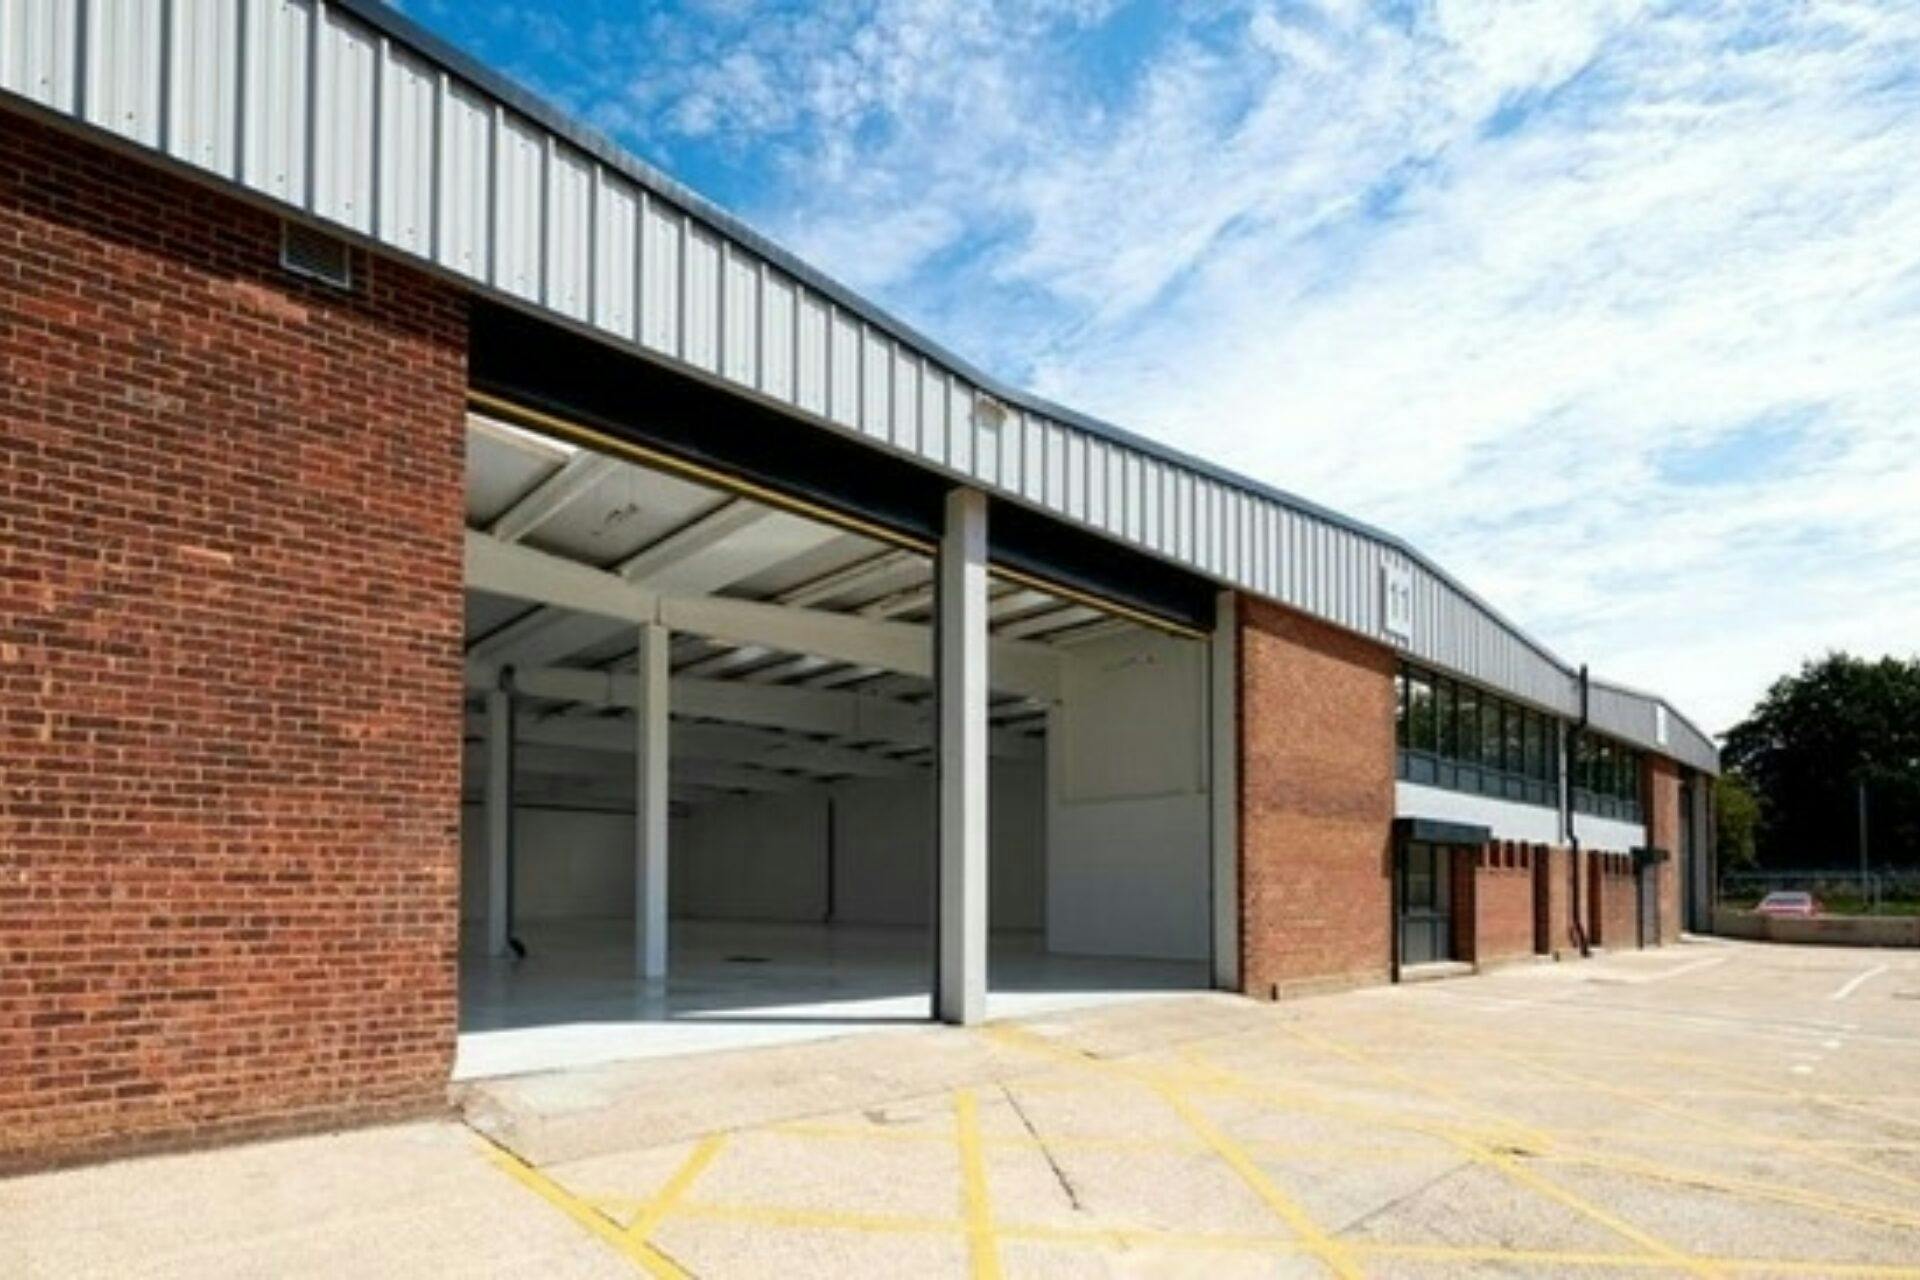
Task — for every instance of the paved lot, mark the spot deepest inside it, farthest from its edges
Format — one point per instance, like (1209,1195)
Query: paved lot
(1710,1109)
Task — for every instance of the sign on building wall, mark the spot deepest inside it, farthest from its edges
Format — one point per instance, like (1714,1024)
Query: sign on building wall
(1396,602)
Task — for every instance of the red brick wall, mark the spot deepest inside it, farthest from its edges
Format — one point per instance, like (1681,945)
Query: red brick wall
(1613,911)
(1503,902)
(1316,803)
(1663,832)
(230,630)
(1563,938)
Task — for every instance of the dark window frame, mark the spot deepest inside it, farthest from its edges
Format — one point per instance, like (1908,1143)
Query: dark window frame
(1464,737)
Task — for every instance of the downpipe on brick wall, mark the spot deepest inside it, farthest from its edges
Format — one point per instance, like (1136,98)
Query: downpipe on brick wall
(1573,831)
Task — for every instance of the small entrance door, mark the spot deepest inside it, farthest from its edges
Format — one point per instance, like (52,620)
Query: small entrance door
(1426,904)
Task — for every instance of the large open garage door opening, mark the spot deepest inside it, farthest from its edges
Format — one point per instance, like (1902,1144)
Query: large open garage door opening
(703,765)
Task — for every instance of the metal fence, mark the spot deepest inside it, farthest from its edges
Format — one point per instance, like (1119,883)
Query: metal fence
(1872,890)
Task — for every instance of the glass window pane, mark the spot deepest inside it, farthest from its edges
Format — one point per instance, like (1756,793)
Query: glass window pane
(1420,694)
(1400,707)
(1514,755)
(1490,733)
(1468,746)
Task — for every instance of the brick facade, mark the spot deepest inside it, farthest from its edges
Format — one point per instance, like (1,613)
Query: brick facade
(1663,832)
(1502,902)
(1316,803)
(230,669)
(1564,930)
(1613,905)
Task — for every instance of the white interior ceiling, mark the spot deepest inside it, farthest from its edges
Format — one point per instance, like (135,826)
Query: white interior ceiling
(800,649)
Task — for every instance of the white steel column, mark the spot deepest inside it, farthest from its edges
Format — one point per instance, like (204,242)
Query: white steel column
(961,674)
(499,816)
(1223,719)
(650,804)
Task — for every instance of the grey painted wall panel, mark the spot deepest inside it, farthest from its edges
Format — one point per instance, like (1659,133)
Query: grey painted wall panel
(464,217)
(344,122)
(660,278)
(568,264)
(810,348)
(435,158)
(616,266)
(123,67)
(700,305)
(275,60)
(740,312)
(519,157)
(37,59)
(407,153)
(203,83)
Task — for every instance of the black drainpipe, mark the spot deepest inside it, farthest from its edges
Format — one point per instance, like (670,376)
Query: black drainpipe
(1573,832)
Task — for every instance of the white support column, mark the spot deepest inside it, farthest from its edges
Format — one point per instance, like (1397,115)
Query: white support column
(499,813)
(961,677)
(1224,789)
(650,804)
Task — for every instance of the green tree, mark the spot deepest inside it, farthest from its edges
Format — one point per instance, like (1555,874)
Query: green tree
(1811,743)
(1736,813)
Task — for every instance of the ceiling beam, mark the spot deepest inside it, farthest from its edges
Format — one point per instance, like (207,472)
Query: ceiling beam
(845,580)
(824,712)
(716,743)
(733,540)
(1015,665)
(564,486)
(1051,620)
(588,764)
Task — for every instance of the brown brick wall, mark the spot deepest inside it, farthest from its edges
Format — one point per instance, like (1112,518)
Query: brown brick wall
(230,629)
(1316,803)
(1503,902)
(1663,832)
(1613,910)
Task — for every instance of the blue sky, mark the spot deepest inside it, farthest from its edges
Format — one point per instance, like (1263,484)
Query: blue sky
(1613,307)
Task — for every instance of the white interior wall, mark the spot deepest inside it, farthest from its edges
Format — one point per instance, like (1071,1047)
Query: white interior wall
(764,857)
(570,864)
(884,842)
(1128,822)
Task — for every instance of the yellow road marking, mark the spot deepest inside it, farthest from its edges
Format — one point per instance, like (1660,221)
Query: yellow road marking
(1743,1188)
(1276,1245)
(978,1210)
(1179,1090)
(696,1163)
(1671,1173)
(1329,1250)
(1505,1164)
(1713,1123)
(651,1260)
(1316,1241)
(1368,1153)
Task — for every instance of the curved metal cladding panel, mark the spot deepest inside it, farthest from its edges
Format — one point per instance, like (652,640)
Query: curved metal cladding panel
(350,115)
(1647,720)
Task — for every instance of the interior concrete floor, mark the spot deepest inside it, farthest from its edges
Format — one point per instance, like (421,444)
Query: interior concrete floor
(573,1000)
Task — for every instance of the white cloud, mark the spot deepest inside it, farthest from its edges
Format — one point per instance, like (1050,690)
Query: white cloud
(1474,270)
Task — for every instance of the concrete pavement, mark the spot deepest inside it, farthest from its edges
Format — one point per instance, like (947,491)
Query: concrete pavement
(1711,1109)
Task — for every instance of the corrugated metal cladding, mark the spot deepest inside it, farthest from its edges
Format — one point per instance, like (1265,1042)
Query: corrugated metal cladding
(351,116)
(1640,717)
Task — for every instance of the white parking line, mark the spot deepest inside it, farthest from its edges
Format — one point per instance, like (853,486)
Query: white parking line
(1854,983)
(1664,974)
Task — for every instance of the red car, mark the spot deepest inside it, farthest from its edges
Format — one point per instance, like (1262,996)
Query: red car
(1789,904)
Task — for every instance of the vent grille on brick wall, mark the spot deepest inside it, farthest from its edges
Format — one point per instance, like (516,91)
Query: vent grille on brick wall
(316,255)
